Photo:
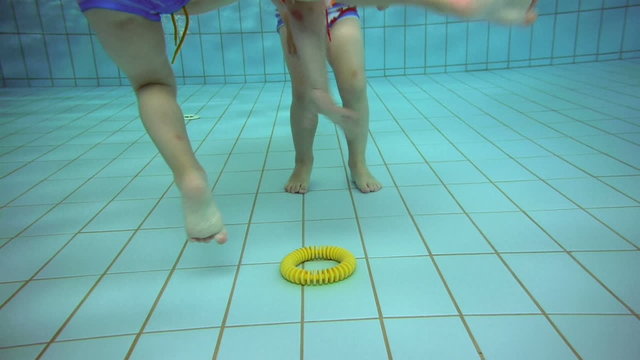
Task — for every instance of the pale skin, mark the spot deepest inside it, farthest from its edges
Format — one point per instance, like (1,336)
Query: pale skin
(137,46)
(304,43)
(508,12)
(143,59)
(346,57)
(305,19)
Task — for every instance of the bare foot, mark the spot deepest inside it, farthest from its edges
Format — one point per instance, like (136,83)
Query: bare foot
(203,221)
(363,179)
(507,12)
(325,105)
(299,180)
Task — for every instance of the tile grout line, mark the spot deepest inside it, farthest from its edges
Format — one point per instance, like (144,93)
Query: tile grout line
(66,197)
(430,254)
(600,282)
(565,99)
(174,267)
(131,144)
(546,182)
(231,326)
(19,234)
(572,100)
(376,298)
(99,281)
(302,287)
(477,315)
(164,286)
(497,254)
(225,317)
(106,271)
(557,243)
(204,267)
(55,147)
(617,80)
(160,294)
(567,252)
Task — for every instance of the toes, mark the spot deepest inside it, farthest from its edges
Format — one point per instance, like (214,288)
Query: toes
(530,18)
(296,188)
(364,188)
(368,187)
(201,240)
(221,237)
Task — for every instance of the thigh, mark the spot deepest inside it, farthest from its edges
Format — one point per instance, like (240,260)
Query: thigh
(346,54)
(196,7)
(135,44)
(294,65)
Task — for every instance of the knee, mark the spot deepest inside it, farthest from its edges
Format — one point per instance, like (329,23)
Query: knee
(145,87)
(301,98)
(353,87)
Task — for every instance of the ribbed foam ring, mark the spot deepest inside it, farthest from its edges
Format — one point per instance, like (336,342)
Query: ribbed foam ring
(290,270)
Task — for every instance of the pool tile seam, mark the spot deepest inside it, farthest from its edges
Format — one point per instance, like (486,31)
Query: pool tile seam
(167,280)
(225,317)
(60,145)
(376,299)
(73,236)
(569,253)
(544,180)
(106,271)
(386,165)
(586,123)
(576,79)
(52,115)
(554,187)
(423,239)
(502,260)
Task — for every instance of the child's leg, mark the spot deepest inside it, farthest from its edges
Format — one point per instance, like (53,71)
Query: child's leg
(137,46)
(309,30)
(304,122)
(346,55)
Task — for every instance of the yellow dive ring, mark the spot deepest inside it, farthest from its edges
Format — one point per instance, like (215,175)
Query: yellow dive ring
(290,270)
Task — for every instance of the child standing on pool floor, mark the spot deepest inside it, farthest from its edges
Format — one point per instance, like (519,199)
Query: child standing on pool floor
(131,33)
(345,53)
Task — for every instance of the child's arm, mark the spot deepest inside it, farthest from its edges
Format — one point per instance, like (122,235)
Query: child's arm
(507,12)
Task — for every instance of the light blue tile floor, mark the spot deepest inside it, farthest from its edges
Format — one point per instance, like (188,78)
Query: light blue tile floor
(508,226)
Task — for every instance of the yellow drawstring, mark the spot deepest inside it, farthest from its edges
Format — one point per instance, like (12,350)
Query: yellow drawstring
(175,33)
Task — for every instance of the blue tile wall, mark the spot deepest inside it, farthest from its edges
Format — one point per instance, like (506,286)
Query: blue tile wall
(49,43)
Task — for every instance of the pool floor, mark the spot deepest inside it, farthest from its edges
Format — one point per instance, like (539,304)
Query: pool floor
(508,226)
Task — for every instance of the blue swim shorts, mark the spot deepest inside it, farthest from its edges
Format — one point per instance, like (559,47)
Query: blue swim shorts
(149,9)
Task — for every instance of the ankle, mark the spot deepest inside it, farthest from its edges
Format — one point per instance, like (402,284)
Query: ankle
(194,181)
(357,164)
(304,161)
